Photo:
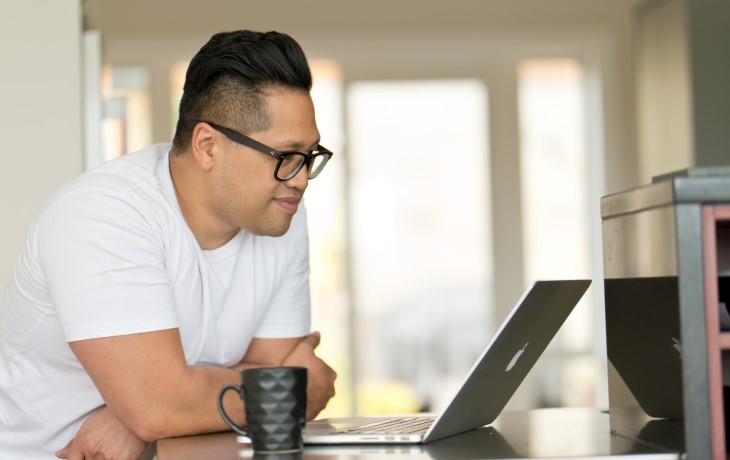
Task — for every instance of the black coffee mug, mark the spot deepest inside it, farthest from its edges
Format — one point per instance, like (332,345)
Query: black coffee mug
(275,401)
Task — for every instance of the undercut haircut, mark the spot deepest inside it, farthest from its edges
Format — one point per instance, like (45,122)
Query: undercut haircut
(228,79)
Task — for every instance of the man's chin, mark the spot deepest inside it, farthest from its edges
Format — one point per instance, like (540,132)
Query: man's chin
(276,233)
(273,230)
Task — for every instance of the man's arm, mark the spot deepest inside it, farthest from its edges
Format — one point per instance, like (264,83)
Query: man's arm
(295,352)
(267,352)
(147,384)
(149,387)
(103,435)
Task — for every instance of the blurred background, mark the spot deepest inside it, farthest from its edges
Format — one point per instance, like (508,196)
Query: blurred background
(473,140)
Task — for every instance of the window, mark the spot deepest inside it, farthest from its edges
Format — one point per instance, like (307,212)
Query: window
(419,238)
(127,118)
(556,219)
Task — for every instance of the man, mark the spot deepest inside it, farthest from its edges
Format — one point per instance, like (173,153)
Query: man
(146,284)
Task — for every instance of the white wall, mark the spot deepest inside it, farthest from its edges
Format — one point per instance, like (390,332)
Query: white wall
(710,69)
(663,90)
(40,120)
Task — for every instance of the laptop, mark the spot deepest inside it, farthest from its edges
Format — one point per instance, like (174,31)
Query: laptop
(489,385)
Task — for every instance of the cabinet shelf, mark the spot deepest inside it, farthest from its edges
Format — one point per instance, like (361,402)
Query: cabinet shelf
(677,228)
(715,258)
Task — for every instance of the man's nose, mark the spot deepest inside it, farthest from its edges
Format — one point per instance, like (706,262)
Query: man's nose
(300,179)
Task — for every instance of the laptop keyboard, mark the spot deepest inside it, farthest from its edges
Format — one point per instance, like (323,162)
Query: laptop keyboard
(399,425)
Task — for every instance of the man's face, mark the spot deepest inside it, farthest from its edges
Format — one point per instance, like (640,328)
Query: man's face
(246,194)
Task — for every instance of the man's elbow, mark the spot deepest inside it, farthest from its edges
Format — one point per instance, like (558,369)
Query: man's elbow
(150,427)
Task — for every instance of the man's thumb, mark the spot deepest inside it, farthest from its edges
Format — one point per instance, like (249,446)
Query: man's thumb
(312,339)
(63,453)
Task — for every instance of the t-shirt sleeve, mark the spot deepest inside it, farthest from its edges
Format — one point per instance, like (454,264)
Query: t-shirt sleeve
(103,264)
(288,313)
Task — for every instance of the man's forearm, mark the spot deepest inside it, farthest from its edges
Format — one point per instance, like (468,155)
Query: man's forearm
(156,394)
(191,408)
(149,387)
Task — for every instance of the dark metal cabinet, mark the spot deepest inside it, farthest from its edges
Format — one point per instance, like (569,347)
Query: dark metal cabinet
(666,251)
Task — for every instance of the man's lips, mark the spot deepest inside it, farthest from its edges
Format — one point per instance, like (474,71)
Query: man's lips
(290,204)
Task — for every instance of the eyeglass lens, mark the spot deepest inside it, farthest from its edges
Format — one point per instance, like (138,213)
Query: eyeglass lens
(293,162)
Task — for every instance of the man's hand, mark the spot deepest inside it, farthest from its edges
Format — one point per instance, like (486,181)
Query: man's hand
(102,436)
(320,377)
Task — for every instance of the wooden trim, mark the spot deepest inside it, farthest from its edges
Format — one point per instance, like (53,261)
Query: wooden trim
(714,359)
(722,212)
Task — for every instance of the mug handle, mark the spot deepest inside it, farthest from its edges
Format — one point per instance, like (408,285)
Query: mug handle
(231,423)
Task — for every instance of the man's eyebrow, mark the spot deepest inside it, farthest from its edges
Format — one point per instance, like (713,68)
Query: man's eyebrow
(296,146)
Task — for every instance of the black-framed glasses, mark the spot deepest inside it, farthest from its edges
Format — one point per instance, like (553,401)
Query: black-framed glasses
(288,163)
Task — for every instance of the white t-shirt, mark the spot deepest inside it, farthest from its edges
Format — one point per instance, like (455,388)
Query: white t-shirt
(111,254)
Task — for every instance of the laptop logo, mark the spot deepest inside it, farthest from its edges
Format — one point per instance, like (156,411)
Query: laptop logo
(516,358)
(677,346)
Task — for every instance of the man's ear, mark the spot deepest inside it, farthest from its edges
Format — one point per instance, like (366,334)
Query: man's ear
(203,145)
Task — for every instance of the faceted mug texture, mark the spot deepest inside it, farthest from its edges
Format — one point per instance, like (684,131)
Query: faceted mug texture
(275,402)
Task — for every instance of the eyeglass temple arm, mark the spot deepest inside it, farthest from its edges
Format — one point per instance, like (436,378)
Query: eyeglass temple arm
(245,140)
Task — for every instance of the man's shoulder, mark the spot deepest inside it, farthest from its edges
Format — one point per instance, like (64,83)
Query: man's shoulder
(142,165)
(130,171)
(133,179)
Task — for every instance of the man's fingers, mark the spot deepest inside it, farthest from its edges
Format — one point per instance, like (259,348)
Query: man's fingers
(63,453)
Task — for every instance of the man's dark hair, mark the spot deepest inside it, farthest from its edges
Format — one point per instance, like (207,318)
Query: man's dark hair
(227,80)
